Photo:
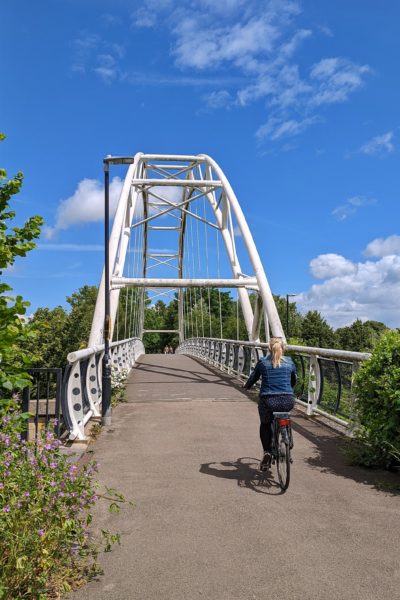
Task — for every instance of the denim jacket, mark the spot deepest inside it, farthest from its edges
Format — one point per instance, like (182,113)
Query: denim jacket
(274,381)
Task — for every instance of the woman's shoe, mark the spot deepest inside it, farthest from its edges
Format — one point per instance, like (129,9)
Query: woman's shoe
(265,462)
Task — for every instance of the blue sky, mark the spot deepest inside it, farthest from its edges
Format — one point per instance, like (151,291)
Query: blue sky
(296,100)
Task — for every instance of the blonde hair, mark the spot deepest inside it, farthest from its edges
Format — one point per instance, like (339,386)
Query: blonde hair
(277,348)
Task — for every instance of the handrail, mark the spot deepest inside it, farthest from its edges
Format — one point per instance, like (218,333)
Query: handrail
(85,352)
(325,383)
(83,378)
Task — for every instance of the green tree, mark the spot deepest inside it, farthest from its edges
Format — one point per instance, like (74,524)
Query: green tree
(295,318)
(315,331)
(49,343)
(377,388)
(359,336)
(79,321)
(14,242)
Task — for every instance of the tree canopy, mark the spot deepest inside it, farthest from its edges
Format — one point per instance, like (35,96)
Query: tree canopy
(14,242)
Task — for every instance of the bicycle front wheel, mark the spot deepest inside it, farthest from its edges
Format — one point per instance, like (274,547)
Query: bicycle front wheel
(283,459)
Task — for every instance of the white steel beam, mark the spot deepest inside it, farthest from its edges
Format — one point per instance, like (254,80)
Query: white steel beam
(146,282)
(196,183)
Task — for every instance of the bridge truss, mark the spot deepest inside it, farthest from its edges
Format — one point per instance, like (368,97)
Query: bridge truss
(179,234)
(167,200)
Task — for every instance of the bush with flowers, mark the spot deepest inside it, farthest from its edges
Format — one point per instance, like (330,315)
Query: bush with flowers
(45,503)
(118,381)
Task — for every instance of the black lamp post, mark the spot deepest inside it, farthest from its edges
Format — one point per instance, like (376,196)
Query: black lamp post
(287,313)
(106,376)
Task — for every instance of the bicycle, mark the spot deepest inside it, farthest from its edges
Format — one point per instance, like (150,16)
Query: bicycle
(281,446)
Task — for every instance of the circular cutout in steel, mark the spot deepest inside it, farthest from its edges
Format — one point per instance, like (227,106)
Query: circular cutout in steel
(77,407)
(76,391)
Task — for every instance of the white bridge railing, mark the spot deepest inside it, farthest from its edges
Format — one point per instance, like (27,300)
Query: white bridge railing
(82,381)
(324,376)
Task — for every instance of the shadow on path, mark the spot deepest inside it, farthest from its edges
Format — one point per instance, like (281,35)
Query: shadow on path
(208,375)
(246,473)
(329,457)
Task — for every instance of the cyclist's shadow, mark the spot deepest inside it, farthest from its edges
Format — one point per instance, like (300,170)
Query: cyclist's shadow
(246,472)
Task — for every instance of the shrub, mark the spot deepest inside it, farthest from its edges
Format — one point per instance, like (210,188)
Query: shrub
(118,388)
(45,503)
(377,388)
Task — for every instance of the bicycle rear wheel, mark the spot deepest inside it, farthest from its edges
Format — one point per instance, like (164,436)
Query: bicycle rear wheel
(283,458)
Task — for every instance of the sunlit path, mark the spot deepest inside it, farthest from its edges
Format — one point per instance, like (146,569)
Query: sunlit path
(185,447)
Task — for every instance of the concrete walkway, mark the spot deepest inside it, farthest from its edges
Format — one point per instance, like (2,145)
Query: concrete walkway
(206,526)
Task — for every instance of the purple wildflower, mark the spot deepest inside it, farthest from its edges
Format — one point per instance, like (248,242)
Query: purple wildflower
(6,509)
(53,465)
(41,532)
(53,484)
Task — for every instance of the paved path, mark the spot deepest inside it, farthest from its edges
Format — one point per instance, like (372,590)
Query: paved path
(186,448)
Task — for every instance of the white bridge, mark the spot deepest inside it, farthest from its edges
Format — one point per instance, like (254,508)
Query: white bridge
(179,232)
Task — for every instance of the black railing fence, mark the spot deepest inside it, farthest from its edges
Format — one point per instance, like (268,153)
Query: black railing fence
(44,401)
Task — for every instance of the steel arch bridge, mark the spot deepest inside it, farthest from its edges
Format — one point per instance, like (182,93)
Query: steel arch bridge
(178,232)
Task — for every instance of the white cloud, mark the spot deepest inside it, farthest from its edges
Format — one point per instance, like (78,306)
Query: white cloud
(383,246)
(148,14)
(342,212)
(351,290)
(275,129)
(107,67)
(218,99)
(93,54)
(239,43)
(86,205)
(162,80)
(258,40)
(331,265)
(379,145)
(336,79)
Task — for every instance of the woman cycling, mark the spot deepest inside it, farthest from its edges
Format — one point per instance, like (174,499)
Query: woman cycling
(278,377)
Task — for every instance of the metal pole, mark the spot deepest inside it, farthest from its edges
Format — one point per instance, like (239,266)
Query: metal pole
(106,376)
(287,313)
(287,316)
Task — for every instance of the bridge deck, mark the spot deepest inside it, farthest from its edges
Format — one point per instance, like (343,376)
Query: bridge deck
(185,447)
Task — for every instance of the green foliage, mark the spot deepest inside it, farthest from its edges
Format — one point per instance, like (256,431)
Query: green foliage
(315,331)
(49,342)
(79,321)
(377,388)
(359,336)
(45,504)
(294,319)
(53,333)
(14,242)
